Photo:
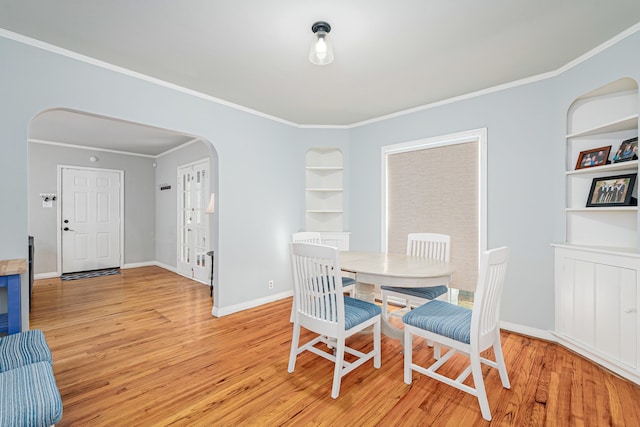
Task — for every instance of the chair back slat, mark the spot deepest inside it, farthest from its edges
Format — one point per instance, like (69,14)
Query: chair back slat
(307,237)
(429,245)
(317,284)
(486,305)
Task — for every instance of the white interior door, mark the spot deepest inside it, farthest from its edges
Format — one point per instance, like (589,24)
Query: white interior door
(193,223)
(90,201)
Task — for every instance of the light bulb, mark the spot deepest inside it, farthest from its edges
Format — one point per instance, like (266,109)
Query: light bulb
(321,50)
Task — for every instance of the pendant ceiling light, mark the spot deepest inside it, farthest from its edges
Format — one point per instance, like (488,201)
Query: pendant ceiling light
(321,50)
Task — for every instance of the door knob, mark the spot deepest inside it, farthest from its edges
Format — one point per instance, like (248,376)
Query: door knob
(66,221)
(67,229)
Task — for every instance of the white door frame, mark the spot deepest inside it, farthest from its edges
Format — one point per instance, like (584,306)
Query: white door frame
(59,212)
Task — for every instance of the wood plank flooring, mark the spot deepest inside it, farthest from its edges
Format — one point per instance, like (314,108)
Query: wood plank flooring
(142,349)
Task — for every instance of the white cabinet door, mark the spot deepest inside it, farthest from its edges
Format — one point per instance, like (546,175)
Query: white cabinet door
(596,304)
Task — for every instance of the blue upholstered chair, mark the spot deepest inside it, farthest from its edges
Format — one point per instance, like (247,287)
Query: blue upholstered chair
(321,307)
(427,245)
(463,331)
(23,349)
(29,396)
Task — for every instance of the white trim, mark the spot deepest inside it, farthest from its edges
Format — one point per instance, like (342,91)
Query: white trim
(86,147)
(528,331)
(138,264)
(554,73)
(50,275)
(479,135)
(223,311)
(166,267)
(70,54)
(121,70)
(59,211)
(598,358)
(106,150)
(179,147)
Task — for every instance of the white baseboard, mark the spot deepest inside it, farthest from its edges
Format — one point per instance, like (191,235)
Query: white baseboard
(165,266)
(50,275)
(599,358)
(138,264)
(219,312)
(528,330)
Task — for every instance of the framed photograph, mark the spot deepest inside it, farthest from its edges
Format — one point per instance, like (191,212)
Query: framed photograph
(612,191)
(628,151)
(593,157)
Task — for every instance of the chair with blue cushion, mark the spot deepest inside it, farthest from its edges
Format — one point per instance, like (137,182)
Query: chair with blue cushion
(463,331)
(321,307)
(23,348)
(348,283)
(29,396)
(427,245)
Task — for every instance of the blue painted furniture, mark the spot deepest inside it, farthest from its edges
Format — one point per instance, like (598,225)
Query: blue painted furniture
(10,271)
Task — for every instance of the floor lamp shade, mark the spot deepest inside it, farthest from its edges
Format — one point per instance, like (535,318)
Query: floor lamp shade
(211,208)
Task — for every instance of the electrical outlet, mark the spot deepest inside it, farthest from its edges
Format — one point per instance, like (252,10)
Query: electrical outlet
(270,284)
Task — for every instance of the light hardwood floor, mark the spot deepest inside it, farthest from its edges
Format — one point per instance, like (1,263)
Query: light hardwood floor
(141,348)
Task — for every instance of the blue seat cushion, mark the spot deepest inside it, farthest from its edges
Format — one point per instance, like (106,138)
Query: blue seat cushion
(22,349)
(348,281)
(29,396)
(432,292)
(442,318)
(357,311)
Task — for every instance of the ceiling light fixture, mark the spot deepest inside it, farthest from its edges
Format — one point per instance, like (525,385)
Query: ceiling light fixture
(321,50)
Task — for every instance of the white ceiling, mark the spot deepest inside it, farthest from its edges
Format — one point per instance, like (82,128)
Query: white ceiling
(390,55)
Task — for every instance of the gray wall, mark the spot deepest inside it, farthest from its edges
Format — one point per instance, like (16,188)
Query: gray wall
(261,178)
(260,198)
(139,200)
(526,151)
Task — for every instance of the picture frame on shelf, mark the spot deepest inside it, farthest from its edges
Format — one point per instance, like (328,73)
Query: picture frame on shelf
(627,151)
(608,191)
(594,157)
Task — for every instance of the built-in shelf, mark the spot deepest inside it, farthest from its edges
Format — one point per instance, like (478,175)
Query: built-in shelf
(324,193)
(597,268)
(605,209)
(632,165)
(614,126)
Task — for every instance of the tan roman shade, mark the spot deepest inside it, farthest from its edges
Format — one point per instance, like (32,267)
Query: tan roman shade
(435,190)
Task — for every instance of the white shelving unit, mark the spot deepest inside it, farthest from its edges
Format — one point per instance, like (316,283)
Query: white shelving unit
(597,269)
(324,181)
(605,117)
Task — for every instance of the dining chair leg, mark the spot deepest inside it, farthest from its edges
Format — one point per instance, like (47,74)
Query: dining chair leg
(337,372)
(295,340)
(502,367)
(478,381)
(408,353)
(377,358)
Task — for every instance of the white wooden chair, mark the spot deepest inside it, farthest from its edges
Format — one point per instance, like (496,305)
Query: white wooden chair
(307,237)
(321,307)
(464,331)
(428,245)
(348,283)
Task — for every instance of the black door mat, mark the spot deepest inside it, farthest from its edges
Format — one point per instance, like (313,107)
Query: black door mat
(88,274)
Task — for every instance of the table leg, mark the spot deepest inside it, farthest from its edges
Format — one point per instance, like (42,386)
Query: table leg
(364,291)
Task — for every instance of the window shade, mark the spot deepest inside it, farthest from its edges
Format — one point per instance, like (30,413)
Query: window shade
(435,190)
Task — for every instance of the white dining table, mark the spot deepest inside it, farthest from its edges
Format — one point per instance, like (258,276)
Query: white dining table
(387,269)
